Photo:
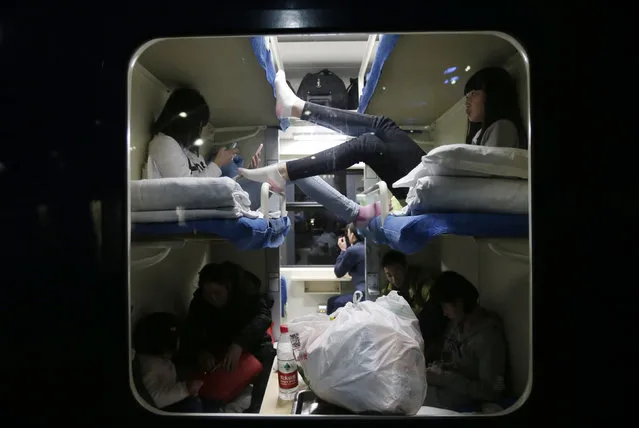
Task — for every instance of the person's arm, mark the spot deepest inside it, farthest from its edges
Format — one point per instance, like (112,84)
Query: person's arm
(212,170)
(163,390)
(502,133)
(170,160)
(224,158)
(346,261)
(252,334)
(491,354)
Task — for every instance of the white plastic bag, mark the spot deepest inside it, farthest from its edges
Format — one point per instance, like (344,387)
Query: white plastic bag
(368,356)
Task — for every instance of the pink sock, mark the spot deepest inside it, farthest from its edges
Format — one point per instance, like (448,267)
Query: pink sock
(367,213)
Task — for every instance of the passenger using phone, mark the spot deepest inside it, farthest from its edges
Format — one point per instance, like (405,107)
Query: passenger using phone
(231,169)
(173,153)
(352,261)
(472,368)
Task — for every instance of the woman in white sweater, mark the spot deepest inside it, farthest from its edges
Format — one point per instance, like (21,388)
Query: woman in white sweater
(172,153)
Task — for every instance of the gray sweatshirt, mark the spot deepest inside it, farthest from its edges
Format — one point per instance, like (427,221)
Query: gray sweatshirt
(473,366)
(502,133)
(168,159)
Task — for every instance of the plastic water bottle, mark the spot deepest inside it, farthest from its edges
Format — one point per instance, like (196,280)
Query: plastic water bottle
(286,366)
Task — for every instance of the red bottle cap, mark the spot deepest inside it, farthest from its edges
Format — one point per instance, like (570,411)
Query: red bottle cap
(283,329)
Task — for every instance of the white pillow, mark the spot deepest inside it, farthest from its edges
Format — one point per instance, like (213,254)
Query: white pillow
(466,160)
(496,161)
(426,168)
(470,194)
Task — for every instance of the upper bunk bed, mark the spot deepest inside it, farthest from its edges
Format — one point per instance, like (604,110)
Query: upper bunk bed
(210,208)
(407,73)
(404,76)
(205,208)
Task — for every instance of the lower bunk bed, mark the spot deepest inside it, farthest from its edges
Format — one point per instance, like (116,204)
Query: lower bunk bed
(457,189)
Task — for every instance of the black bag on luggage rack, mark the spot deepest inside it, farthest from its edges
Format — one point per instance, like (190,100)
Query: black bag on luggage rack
(324,88)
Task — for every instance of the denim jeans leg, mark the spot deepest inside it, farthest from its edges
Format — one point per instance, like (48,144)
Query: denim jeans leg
(323,193)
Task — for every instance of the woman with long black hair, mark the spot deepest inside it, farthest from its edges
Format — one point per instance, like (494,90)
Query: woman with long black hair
(492,108)
(173,153)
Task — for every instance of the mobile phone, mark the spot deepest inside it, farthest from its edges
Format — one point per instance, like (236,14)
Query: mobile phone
(231,146)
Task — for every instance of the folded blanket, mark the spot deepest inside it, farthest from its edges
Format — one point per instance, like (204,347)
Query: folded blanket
(179,215)
(161,194)
(467,194)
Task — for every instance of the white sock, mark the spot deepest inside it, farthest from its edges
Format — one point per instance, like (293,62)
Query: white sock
(267,174)
(285,97)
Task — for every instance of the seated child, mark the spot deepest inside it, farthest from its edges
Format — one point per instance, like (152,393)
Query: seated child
(155,341)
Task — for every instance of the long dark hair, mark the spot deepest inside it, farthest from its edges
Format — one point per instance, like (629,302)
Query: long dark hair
(502,102)
(241,284)
(183,116)
(156,334)
(351,228)
(450,286)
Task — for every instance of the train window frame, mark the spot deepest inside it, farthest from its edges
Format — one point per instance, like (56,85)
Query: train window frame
(291,247)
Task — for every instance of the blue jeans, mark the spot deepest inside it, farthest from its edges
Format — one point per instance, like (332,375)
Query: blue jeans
(324,194)
(314,187)
(378,142)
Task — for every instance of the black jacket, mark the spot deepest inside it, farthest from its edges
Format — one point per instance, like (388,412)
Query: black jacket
(243,321)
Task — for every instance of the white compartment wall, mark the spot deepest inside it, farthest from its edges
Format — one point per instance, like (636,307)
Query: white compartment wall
(247,143)
(148,96)
(504,283)
(450,127)
(168,285)
(300,302)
